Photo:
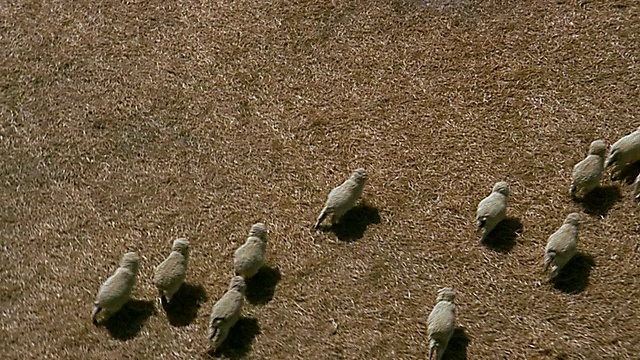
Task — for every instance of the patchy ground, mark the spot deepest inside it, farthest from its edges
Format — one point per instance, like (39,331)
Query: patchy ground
(124,125)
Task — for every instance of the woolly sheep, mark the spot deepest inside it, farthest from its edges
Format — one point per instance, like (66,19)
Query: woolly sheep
(342,198)
(170,274)
(226,312)
(441,322)
(588,172)
(624,152)
(116,291)
(562,245)
(492,209)
(636,188)
(249,257)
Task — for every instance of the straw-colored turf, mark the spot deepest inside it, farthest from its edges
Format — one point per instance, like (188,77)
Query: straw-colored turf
(127,124)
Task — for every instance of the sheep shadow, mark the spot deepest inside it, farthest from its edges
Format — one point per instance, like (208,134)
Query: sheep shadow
(183,308)
(574,277)
(457,348)
(600,200)
(262,286)
(503,237)
(127,323)
(239,342)
(354,223)
(628,174)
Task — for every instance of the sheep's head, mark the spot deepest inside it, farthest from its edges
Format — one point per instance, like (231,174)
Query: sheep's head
(182,246)
(446,294)
(598,147)
(130,261)
(238,283)
(501,187)
(258,230)
(359,175)
(573,219)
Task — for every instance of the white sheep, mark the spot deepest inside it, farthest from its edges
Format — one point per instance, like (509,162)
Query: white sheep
(116,291)
(170,274)
(587,173)
(344,197)
(492,209)
(226,312)
(562,245)
(441,323)
(624,152)
(636,188)
(249,257)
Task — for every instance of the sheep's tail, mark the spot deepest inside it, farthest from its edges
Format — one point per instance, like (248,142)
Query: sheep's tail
(433,349)
(322,216)
(214,331)
(551,255)
(613,157)
(481,223)
(94,314)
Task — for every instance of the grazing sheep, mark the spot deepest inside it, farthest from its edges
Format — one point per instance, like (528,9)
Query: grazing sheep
(441,322)
(624,152)
(170,274)
(226,312)
(249,257)
(636,188)
(562,245)
(588,172)
(344,197)
(116,291)
(492,209)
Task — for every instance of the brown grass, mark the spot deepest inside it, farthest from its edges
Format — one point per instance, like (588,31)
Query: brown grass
(127,124)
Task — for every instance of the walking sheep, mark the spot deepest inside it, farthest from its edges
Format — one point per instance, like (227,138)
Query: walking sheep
(226,312)
(492,209)
(116,291)
(624,152)
(342,198)
(170,274)
(562,245)
(249,257)
(588,172)
(441,322)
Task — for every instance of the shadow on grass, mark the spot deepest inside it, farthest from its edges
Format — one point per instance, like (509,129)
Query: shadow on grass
(600,200)
(457,348)
(183,308)
(127,323)
(262,286)
(574,277)
(240,340)
(355,222)
(503,237)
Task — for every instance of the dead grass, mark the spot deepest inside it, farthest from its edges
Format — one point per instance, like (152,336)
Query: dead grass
(128,124)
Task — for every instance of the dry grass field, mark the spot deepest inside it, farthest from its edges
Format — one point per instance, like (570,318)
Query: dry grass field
(127,124)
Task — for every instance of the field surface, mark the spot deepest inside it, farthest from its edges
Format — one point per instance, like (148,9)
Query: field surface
(127,124)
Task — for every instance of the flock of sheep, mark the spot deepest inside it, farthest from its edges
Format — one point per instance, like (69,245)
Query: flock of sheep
(250,257)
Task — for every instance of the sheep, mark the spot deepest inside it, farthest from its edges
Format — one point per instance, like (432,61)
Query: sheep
(226,312)
(342,198)
(441,322)
(562,245)
(116,291)
(587,173)
(624,152)
(636,188)
(492,209)
(170,274)
(249,257)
